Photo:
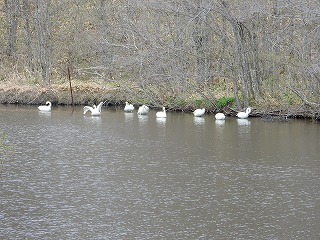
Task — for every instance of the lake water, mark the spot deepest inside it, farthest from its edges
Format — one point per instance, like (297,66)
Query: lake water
(124,176)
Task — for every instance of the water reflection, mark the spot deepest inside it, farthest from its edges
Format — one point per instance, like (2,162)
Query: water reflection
(243,122)
(220,122)
(93,119)
(44,113)
(161,121)
(199,120)
(128,116)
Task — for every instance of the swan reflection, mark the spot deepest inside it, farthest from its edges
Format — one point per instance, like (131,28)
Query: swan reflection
(243,122)
(44,114)
(93,119)
(198,120)
(220,122)
(161,121)
(128,116)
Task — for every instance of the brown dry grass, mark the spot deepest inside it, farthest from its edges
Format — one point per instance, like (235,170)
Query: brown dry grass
(57,93)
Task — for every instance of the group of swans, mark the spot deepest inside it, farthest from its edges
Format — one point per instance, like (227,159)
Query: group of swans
(201,111)
(143,110)
(220,116)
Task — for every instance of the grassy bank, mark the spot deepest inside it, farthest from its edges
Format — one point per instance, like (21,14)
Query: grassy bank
(174,98)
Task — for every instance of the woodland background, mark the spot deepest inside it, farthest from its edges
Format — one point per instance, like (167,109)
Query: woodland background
(209,53)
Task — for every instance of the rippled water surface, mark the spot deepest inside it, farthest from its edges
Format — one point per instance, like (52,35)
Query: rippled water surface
(124,176)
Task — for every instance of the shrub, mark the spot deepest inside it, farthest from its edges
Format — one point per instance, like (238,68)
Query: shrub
(225,101)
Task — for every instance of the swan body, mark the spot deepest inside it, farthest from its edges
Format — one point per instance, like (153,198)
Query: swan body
(95,110)
(143,110)
(244,114)
(199,112)
(128,107)
(46,108)
(220,116)
(162,114)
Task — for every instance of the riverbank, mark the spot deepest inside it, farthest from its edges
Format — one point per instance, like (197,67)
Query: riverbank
(116,95)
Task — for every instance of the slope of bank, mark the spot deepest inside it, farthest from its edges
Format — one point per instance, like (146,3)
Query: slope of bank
(88,94)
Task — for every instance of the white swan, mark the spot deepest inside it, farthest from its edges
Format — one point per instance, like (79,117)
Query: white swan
(162,114)
(244,114)
(46,108)
(220,116)
(199,112)
(143,110)
(128,107)
(95,110)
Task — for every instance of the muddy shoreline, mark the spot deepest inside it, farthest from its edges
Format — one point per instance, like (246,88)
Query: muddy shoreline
(113,96)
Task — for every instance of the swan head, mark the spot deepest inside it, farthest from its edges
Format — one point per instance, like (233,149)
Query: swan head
(248,110)
(48,103)
(163,108)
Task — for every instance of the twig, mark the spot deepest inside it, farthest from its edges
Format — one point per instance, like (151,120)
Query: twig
(71,92)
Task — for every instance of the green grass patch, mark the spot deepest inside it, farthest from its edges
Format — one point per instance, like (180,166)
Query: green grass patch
(225,101)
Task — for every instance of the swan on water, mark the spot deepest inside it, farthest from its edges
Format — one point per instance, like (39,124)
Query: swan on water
(162,114)
(244,114)
(95,110)
(220,116)
(128,107)
(143,110)
(46,107)
(199,112)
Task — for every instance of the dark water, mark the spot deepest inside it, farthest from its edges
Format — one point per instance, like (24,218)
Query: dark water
(124,176)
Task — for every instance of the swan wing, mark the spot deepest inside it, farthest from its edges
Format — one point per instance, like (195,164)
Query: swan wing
(86,109)
(100,106)
(128,108)
(242,115)
(143,110)
(44,108)
(220,116)
(199,112)
(161,114)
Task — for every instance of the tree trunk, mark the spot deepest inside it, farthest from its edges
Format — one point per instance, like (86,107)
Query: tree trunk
(26,13)
(12,12)
(43,35)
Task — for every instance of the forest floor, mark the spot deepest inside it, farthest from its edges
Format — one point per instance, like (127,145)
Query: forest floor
(114,95)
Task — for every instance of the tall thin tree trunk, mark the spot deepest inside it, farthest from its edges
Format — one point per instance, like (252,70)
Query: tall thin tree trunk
(43,35)
(12,10)
(28,35)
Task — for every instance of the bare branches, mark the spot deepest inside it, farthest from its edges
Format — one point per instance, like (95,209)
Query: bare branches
(304,98)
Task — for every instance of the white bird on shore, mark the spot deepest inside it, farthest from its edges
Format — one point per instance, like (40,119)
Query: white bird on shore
(162,114)
(95,110)
(244,114)
(199,112)
(220,116)
(128,107)
(143,110)
(45,108)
